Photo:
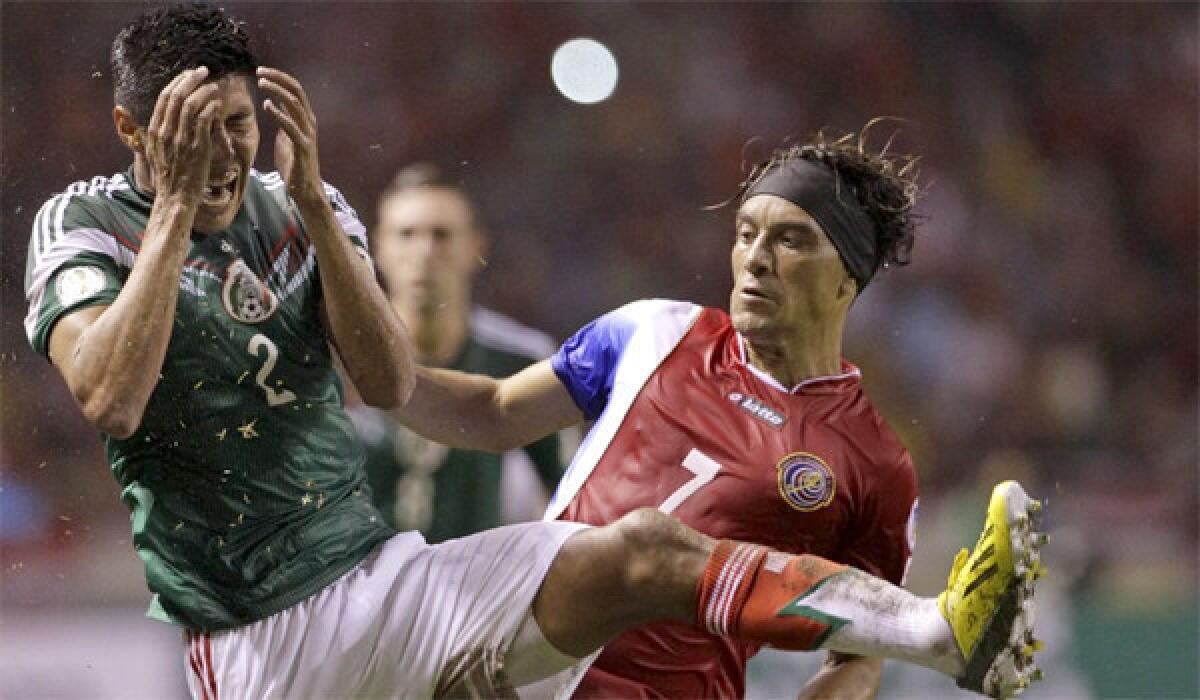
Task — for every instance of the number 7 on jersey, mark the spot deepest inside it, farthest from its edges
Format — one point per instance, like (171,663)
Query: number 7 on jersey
(705,469)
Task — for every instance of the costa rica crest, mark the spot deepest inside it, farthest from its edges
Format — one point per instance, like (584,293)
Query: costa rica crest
(805,481)
(245,297)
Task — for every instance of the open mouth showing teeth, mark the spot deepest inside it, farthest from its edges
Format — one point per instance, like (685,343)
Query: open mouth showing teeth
(218,193)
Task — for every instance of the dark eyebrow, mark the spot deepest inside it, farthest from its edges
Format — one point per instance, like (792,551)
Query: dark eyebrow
(801,226)
(805,227)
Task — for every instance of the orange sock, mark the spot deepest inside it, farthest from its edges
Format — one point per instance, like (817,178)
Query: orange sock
(753,593)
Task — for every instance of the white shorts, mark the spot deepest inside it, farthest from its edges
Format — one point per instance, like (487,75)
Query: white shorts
(412,620)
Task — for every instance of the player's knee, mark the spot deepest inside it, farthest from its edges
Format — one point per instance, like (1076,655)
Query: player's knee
(650,541)
(642,527)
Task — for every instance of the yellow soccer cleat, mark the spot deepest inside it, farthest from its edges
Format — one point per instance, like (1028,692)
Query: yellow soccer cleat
(989,596)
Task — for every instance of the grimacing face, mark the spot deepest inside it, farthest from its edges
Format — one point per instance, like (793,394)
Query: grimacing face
(787,275)
(234,145)
(427,247)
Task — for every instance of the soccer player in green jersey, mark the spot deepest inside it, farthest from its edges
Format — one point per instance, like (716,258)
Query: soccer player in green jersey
(191,304)
(428,245)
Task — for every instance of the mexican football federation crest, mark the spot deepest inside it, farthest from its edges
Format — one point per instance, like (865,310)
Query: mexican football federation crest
(805,481)
(244,295)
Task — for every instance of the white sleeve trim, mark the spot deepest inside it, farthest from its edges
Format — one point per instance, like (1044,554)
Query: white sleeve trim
(80,240)
(345,215)
(347,218)
(503,333)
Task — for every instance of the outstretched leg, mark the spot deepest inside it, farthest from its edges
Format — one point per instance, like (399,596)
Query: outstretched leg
(648,566)
(641,568)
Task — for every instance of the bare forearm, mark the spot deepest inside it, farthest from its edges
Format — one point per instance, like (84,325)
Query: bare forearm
(481,413)
(844,677)
(457,409)
(114,363)
(370,337)
(111,356)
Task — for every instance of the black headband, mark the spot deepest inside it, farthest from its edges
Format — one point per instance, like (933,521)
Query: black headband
(815,188)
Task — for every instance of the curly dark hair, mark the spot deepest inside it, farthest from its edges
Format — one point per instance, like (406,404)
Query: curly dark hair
(155,47)
(884,184)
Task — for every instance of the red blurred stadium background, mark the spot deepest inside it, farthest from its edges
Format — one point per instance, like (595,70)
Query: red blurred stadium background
(1046,329)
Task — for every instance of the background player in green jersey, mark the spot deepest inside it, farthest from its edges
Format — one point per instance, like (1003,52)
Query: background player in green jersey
(428,247)
(190,304)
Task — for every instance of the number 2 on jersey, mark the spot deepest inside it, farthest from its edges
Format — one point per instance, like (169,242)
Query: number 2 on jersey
(275,397)
(704,467)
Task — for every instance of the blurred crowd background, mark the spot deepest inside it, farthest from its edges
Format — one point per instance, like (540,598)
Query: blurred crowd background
(1046,329)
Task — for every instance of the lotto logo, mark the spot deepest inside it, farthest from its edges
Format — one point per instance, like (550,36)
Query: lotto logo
(758,409)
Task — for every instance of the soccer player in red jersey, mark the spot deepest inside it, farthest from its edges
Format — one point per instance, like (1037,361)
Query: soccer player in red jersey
(751,425)
(745,425)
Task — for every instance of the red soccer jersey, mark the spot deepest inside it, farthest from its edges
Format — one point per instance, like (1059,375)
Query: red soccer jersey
(689,427)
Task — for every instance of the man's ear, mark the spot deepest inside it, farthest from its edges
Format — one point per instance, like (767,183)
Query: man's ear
(482,244)
(848,288)
(132,135)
